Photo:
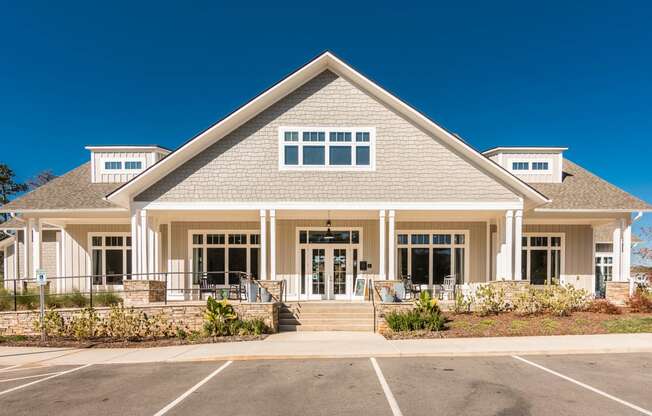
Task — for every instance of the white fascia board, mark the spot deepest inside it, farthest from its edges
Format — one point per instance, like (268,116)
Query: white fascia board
(65,211)
(123,194)
(125,148)
(333,206)
(523,149)
(606,210)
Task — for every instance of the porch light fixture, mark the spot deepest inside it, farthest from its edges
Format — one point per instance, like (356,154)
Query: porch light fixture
(329,234)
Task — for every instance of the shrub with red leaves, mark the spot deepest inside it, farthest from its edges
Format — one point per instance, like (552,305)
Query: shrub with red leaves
(641,301)
(603,306)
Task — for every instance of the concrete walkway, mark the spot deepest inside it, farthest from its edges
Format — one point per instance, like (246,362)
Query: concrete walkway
(332,345)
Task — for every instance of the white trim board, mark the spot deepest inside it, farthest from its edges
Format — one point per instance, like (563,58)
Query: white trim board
(420,206)
(327,60)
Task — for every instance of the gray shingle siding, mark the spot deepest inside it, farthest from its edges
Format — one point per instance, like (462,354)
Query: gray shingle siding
(410,164)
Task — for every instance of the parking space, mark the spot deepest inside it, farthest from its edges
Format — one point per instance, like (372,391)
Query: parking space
(292,387)
(627,376)
(419,386)
(487,386)
(137,389)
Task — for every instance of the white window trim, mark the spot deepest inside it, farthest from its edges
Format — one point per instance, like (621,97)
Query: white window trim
(125,248)
(226,245)
(549,248)
(466,246)
(326,144)
(530,170)
(104,170)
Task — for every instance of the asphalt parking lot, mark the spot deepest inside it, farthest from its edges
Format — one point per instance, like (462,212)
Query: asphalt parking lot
(615,384)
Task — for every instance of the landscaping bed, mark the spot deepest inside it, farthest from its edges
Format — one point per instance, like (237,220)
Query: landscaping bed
(510,324)
(23,341)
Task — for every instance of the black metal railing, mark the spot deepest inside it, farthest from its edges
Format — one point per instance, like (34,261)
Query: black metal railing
(103,290)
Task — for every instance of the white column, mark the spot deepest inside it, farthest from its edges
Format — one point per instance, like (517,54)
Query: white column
(152,243)
(518,244)
(169,247)
(64,259)
(627,250)
(135,241)
(36,247)
(272,244)
(500,248)
(16,257)
(29,249)
(381,244)
(509,244)
(488,253)
(143,253)
(391,238)
(617,248)
(263,245)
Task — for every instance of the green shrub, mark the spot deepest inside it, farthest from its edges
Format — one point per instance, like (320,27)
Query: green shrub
(558,300)
(83,325)
(463,302)
(53,324)
(6,299)
(218,317)
(28,299)
(247,327)
(425,316)
(491,299)
(134,325)
(106,299)
(641,301)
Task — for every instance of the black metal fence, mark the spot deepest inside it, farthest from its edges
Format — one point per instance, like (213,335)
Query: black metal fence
(104,290)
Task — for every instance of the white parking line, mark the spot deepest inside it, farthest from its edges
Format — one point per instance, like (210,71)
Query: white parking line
(586,386)
(191,390)
(43,379)
(2,370)
(396,411)
(26,377)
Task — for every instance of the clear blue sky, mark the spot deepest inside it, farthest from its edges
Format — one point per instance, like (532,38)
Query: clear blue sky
(577,74)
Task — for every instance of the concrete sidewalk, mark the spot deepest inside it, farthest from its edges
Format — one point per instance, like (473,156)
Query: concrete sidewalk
(333,345)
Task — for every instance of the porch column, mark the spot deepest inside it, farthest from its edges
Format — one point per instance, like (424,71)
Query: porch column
(518,244)
(617,249)
(143,251)
(27,251)
(627,250)
(391,252)
(272,244)
(500,248)
(135,241)
(509,244)
(263,245)
(381,244)
(16,256)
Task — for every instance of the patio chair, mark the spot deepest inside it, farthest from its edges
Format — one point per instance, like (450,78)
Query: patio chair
(412,290)
(448,288)
(206,287)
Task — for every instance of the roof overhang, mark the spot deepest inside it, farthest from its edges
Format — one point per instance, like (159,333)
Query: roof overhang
(7,241)
(128,148)
(522,149)
(123,195)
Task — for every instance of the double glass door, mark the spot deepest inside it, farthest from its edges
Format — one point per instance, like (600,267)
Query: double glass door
(329,275)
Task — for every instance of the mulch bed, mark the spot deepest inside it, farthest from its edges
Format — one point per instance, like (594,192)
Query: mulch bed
(511,325)
(110,343)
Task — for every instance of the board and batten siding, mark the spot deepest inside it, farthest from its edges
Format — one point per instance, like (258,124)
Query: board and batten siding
(411,165)
(101,176)
(77,256)
(578,254)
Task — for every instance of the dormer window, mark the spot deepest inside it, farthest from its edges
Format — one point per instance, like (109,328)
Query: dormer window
(336,148)
(520,166)
(540,166)
(133,165)
(112,165)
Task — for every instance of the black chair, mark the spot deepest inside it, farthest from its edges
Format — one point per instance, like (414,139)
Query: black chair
(410,288)
(206,287)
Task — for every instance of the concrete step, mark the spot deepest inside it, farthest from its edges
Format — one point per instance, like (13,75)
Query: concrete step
(332,321)
(312,315)
(326,327)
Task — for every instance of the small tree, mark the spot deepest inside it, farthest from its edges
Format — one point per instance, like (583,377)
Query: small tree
(645,253)
(41,179)
(9,186)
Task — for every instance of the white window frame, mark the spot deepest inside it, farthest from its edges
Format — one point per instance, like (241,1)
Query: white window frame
(466,246)
(326,144)
(125,253)
(549,248)
(123,161)
(530,170)
(204,246)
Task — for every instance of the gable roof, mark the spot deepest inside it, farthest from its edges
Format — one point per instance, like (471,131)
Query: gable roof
(123,194)
(581,190)
(71,191)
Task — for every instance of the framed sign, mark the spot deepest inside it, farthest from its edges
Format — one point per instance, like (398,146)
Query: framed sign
(360,288)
